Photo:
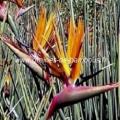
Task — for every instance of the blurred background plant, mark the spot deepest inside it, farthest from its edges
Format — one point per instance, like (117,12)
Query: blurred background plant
(19,87)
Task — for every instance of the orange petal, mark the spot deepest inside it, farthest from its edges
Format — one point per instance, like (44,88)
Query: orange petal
(39,29)
(61,55)
(78,39)
(71,37)
(77,68)
(48,29)
(59,44)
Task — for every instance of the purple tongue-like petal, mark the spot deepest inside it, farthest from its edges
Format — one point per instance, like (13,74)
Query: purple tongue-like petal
(71,95)
(22,11)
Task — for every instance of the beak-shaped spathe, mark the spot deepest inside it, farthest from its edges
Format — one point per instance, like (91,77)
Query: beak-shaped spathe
(31,59)
(25,57)
(71,95)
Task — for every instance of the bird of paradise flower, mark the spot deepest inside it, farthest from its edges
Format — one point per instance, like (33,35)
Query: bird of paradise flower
(47,38)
